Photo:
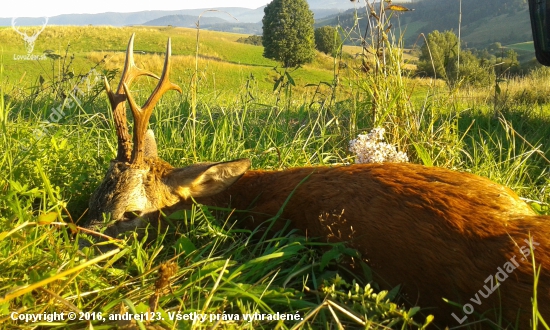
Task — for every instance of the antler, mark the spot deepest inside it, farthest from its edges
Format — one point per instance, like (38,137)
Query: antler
(118,101)
(142,115)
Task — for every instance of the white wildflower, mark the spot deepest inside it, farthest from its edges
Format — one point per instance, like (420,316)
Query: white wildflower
(368,148)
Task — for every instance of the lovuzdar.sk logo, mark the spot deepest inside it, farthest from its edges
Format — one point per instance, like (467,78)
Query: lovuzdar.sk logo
(29,39)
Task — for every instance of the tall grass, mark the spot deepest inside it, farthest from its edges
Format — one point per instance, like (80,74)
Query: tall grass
(204,263)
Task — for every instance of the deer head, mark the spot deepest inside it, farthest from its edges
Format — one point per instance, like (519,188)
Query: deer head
(138,183)
(29,40)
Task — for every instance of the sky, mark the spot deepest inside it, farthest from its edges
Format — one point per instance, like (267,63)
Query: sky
(42,8)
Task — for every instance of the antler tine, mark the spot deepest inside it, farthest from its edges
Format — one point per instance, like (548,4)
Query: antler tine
(119,116)
(142,115)
(131,71)
(118,102)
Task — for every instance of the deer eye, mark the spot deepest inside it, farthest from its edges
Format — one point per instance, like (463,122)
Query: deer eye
(130,215)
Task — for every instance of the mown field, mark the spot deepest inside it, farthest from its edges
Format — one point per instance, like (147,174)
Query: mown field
(205,264)
(523,46)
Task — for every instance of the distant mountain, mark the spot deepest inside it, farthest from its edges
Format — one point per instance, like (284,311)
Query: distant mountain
(207,23)
(321,8)
(184,21)
(137,18)
(251,16)
(243,28)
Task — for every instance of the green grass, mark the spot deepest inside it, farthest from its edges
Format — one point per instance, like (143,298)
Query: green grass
(224,63)
(523,48)
(204,263)
(220,268)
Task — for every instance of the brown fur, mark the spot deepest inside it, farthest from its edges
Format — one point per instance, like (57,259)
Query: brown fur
(437,232)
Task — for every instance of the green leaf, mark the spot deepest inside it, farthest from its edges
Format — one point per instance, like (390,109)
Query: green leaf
(277,83)
(290,80)
(142,308)
(423,154)
(184,244)
(46,218)
(413,311)
(332,254)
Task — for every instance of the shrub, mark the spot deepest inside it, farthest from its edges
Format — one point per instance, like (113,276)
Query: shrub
(327,40)
(251,40)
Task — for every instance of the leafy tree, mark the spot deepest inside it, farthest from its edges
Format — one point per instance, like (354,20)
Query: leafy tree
(327,40)
(437,53)
(471,71)
(511,63)
(288,32)
(439,58)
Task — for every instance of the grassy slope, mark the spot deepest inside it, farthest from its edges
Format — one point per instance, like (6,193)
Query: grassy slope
(223,60)
(498,28)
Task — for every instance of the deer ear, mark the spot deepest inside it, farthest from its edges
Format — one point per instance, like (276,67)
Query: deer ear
(150,144)
(206,179)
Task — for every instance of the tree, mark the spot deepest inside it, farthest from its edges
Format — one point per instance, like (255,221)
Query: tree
(442,55)
(288,32)
(327,39)
(439,52)
(511,63)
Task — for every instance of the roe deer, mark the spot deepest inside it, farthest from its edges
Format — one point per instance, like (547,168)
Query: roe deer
(438,233)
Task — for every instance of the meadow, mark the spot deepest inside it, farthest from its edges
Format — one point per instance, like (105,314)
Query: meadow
(57,138)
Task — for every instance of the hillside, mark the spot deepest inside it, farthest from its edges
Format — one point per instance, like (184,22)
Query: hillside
(224,63)
(483,23)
